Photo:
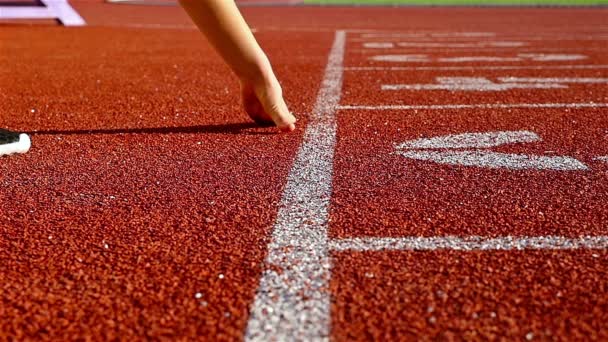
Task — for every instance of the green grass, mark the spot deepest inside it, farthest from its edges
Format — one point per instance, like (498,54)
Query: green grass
(460,2)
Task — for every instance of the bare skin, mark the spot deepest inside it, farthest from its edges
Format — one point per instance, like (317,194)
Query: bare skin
(224,26)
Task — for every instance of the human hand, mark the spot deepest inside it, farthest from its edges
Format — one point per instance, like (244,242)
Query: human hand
(263,101)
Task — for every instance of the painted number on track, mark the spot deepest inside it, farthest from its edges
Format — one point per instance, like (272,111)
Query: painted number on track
(472,149)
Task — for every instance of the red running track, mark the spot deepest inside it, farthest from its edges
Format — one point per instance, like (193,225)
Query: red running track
(146,205)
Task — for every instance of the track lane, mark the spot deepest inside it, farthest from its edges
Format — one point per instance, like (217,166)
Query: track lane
(519,295)
(144,208)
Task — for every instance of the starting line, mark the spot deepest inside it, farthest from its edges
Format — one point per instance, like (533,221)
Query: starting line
(59,10)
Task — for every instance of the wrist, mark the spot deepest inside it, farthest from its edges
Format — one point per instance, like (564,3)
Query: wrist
(258,72)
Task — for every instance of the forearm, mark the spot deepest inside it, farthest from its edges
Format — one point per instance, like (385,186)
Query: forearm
(225,28)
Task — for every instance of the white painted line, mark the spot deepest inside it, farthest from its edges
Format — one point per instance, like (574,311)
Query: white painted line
(550,57)
(473,106)
(471,140)
(64,12)
(496,160)
(158,26)
(378,45)
(478,59)
(421,58)
(471,243)
(428,34)
(477,51)
(602,158)
(293,300)
(541,38)
(484,84)
(472,84)
(443,45)
(401,58)
(22,12)
(487,67)
(53,9)
(554,79)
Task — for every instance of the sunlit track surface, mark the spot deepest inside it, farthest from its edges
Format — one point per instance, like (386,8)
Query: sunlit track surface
(448,178)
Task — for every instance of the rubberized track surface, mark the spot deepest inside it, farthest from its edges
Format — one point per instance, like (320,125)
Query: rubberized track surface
(147,204)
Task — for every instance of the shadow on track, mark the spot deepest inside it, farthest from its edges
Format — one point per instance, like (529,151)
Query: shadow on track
(245,128)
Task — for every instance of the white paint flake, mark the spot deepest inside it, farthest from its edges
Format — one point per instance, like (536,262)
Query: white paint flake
(293,300)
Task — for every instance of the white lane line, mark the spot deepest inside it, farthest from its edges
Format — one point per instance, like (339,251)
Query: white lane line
(293,300)
(474,67)
(473,106)
(471,243)
(429,34)
(542,38)
(472,84)
(554,79)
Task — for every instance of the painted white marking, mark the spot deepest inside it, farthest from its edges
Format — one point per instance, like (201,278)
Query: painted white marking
(497,67)
(471,84)
(158,26)
(542,38)
(378,45)
(429,34)
(496,160)
(470,243)
(478,59)
(401,58)
(460,45)
(602,158)
(471,140)
(462,59)
(53,9)
(554,79)
(540,57)
(472,106)
(463,34)
(443,45)
(293,301)
(483,158)
(21,146)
